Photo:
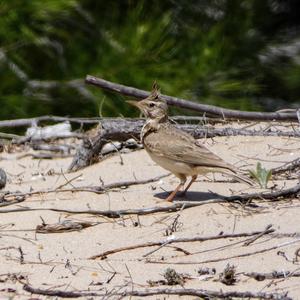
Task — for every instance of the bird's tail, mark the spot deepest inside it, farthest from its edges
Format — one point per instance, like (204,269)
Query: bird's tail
(238,176)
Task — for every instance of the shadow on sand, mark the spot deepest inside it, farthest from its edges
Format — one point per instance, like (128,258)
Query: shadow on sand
(191,196)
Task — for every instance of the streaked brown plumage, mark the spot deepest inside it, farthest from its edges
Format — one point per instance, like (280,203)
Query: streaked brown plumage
(176,150)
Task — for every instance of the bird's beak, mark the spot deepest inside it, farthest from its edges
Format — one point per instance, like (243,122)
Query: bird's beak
(134,103)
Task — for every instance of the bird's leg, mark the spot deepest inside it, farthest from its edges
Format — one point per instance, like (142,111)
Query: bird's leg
(194,177)
(180,185)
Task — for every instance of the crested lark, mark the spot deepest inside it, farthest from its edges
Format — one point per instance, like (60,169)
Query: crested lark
(176,150)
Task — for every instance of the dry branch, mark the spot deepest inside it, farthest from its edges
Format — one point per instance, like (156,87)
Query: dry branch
(29,122)
(151,292)
(243,198)
(93,189)
(203,108)
(123,129)
(180,240)
(227,257)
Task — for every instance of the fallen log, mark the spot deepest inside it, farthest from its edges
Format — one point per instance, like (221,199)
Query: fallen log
(123,129)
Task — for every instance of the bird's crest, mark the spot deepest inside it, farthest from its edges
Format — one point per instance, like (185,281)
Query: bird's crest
(155,92)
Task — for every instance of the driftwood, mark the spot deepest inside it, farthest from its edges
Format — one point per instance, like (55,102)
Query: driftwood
(203,108)
(123,129)
(205,294)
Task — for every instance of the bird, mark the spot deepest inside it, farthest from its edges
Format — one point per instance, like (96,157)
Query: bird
(175,150)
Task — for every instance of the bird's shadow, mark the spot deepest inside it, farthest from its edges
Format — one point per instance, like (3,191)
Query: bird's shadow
(191,196)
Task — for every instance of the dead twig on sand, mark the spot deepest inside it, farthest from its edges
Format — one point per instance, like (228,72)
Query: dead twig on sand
(44,155)
(291,166)
(228,257)
(250,241)
(180,240)
(203,108)
(19,197)
(153,292)
(272,275)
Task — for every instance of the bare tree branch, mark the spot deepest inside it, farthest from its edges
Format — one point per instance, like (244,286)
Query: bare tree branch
(204,108)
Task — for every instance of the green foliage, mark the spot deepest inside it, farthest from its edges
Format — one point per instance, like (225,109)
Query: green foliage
(216,52)
(261,175)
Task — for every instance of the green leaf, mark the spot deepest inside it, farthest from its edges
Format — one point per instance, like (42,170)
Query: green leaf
(261,175)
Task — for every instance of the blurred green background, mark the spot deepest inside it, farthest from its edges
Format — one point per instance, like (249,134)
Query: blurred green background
(232,53)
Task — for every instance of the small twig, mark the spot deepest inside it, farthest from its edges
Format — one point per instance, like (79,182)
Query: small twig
(293,165)
(152,251)
(111,277)
(19,197)
(250,241)
(44,155)
(21,255)
(68,181)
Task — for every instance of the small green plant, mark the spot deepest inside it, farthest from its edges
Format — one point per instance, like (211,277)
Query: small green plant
(261,175)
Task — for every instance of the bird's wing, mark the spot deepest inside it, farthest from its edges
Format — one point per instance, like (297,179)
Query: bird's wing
(179,146)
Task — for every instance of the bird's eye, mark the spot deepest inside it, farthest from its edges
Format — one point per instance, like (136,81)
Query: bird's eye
(151,104)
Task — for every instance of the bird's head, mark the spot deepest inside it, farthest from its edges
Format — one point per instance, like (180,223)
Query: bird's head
(152,107)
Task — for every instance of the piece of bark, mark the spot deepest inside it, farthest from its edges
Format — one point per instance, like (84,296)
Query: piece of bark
(64,226)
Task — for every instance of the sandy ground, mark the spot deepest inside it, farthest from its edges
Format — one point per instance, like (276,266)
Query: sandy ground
(60,261)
